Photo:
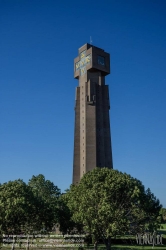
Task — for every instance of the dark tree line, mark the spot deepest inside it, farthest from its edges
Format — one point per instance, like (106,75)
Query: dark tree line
(28,207)
(104,204)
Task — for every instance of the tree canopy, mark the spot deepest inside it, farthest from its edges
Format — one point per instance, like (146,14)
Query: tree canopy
(17,206)
(48,194)
(44,188)
(28,208)
(163,215)
(105,203)
(109,203)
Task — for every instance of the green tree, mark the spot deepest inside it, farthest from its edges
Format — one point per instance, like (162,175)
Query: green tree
(48,194)
(67,225)
(17,206)
(109,203)
(163,215)
(44,188)
(28,208)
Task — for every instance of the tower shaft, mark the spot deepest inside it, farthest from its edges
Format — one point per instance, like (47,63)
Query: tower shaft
(92,138)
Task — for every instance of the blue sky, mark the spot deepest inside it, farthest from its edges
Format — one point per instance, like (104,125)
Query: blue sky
(38,43)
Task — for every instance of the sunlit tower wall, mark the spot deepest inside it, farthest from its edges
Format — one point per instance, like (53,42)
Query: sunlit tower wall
(92,137)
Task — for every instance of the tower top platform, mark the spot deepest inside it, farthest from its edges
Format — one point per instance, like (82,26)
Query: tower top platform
(91,58)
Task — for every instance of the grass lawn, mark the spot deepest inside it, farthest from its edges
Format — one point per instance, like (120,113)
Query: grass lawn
(100,247)
(163,226)
(137,247)
(121,247)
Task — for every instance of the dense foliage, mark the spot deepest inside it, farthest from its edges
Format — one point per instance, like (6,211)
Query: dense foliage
(105,203)
(28,208)
(48,194)
(163,215)
(18,206)
(109,203)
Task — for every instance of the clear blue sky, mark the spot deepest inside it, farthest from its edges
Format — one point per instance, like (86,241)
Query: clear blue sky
(39,40)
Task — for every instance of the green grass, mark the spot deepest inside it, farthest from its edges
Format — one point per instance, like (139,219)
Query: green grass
(121,247)
(100,247)
(163,226)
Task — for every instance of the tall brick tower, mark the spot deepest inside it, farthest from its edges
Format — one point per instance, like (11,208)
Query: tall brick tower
(92,138)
